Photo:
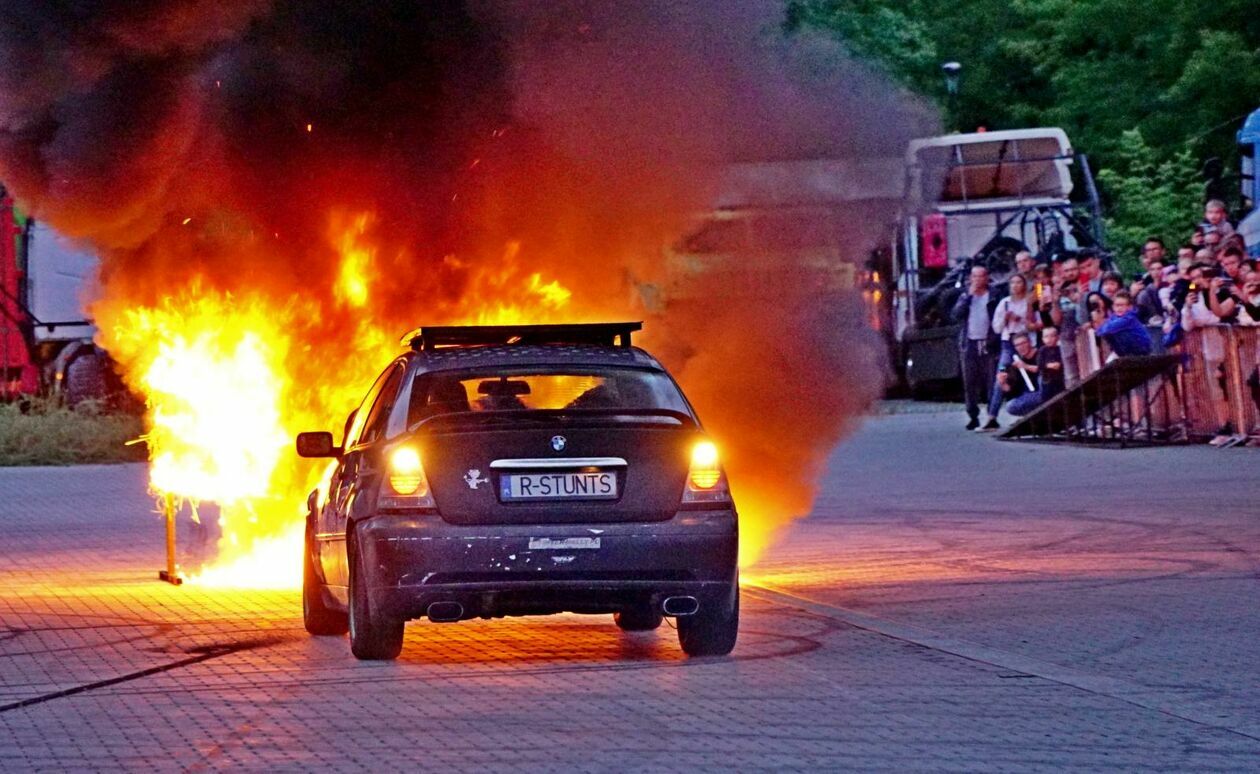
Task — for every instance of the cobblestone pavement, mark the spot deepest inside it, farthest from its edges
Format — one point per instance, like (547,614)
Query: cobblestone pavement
(953,603)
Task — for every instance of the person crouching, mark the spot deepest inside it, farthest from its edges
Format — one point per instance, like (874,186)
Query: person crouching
(1045,366)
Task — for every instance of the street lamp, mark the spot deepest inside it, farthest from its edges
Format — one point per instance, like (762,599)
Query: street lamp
(952,72)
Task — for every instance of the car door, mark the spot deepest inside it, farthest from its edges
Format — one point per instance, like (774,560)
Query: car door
(355,468)
(332,517)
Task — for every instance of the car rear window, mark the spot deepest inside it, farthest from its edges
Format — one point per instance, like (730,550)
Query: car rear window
(516,389)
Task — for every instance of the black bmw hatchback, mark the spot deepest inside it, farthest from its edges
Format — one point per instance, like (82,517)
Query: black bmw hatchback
(521,470)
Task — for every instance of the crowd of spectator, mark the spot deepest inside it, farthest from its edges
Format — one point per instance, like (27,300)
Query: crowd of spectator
(1022,349)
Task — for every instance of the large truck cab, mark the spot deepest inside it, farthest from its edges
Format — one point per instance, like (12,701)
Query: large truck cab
(977,199)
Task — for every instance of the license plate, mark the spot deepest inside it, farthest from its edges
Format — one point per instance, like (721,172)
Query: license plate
(558,486)
(563,544)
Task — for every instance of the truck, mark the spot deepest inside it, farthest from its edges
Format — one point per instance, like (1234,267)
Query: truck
(46,339)
(975,199)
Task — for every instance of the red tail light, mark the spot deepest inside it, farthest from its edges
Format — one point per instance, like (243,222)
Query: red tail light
(408,486)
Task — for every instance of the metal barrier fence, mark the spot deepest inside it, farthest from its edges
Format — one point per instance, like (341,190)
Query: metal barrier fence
(1246,359)
(1218,378)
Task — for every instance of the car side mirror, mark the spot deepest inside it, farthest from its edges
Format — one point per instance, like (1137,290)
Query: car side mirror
(318,444)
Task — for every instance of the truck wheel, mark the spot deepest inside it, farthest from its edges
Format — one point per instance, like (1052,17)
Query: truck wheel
(712,631)
(316,616)
(373,635)
(643,618)
(85,379)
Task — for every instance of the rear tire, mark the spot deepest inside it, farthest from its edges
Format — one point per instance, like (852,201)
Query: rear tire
(638,619)
(318,618)
(374,636)
(712,631)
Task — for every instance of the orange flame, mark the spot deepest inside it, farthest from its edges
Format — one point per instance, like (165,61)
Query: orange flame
(228,387)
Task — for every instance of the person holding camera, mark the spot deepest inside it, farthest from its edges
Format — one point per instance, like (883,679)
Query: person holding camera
(1063,317)
(1249,300)
(1195,312)
(1010,317)
(1233,270)
(1146,296)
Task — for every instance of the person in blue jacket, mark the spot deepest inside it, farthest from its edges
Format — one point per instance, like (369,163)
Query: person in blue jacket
(1123,331)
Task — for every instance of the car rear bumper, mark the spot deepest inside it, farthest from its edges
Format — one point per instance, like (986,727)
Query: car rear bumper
(492,570)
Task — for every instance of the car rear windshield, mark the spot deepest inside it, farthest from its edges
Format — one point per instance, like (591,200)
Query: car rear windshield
(517,389)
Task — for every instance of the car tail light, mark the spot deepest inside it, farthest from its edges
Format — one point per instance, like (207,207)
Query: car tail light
(706,483)
(407,482)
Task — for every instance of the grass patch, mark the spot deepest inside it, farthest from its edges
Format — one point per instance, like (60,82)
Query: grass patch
(41,431)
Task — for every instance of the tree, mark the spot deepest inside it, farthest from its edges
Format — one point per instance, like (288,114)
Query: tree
(1182,73)
(1149,197)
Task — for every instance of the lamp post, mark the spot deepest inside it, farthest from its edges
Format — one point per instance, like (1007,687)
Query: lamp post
(952,72)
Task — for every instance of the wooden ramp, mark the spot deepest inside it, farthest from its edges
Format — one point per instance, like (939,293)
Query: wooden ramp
(1129,401)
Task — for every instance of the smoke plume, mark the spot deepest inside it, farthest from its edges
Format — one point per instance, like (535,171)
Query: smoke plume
(469,152)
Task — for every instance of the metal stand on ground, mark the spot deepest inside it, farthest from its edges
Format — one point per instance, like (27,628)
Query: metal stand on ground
(169,575)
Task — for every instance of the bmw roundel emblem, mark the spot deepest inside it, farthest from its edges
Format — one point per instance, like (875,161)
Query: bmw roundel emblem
(558,442)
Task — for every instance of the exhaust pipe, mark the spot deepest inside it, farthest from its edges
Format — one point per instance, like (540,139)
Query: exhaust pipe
(677,606)
(445,612)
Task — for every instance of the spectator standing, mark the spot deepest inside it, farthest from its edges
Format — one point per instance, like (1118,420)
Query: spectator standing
(1043,279)
(1145,292)
(977,344)
(1063,316)
(1091,279)
(1047,365)
(1009,318)
(1112,283)
(1232,273)
(1194,309)
(1216,221)
(1249,300)
(1196,314)
(1042,301)
(1153,250)
(1091,271)
(1070,270)
(1212,242)
(1024,266)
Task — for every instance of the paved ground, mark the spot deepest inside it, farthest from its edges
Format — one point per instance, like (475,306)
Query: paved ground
(954,603)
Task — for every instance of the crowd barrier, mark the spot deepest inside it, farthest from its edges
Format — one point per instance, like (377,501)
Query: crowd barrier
(1218,378)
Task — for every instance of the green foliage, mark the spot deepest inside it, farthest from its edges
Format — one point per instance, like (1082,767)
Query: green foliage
(1151,197)
(1182,72)
(44,432)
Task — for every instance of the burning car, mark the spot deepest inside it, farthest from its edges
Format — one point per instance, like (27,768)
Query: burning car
(521,470)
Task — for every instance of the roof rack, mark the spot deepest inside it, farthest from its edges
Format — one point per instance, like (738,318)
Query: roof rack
(600,334)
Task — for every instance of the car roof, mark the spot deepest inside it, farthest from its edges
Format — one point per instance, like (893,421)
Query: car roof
(532,355)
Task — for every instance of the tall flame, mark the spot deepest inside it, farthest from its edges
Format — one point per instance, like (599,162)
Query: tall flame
(227,390)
